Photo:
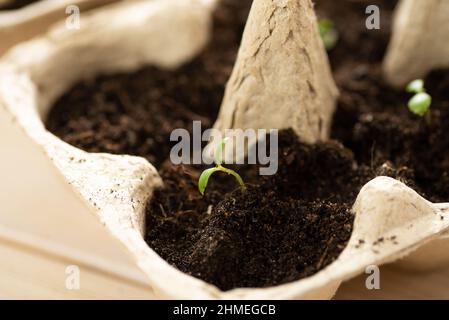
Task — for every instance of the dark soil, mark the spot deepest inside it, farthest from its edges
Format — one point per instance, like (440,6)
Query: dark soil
(372,119)
(17,4)
(136,113)
(287,226)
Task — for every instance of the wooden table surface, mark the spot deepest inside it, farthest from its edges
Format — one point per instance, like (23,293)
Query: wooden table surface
(399,284)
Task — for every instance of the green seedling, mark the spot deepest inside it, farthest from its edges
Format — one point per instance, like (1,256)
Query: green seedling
(420,103)
(328,33)
(204,178)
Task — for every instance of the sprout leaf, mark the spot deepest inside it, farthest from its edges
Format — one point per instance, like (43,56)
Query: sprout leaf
(420,104)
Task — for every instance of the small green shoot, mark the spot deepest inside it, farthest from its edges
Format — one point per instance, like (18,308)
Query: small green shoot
(420,103)
(328,33)
(416,86)
(204,178)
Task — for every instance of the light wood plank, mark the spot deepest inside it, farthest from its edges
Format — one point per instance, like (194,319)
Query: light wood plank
(27,274)
(399,284)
